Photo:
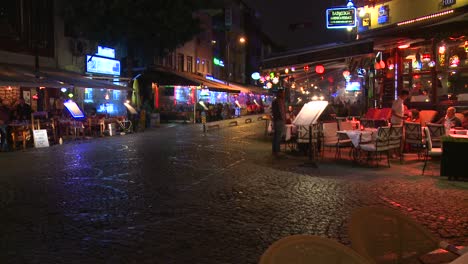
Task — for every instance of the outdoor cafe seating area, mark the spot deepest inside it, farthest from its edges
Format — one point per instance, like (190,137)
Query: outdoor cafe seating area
(66,127)
(371,140)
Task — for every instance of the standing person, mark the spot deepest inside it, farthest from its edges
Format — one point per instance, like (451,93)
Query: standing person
(278,118)
(5,115)
(23,110)
(398,108)
(290,115)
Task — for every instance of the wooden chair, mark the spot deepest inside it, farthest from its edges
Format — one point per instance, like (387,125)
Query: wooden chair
(40,120)
(310,249)
(430,151)
(387,236)
(380,145)
(20,134)
(436,131)
(413,136)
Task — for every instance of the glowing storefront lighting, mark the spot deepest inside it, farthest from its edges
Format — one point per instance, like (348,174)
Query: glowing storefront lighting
(425,17)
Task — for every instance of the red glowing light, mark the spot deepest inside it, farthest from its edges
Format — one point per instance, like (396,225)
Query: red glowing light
(306,68)
(319,69)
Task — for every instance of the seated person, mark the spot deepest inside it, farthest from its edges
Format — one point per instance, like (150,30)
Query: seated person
(290,115)
(450,119)
(465,120)
(23,110)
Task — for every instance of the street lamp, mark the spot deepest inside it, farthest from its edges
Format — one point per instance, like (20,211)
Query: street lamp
(242,40)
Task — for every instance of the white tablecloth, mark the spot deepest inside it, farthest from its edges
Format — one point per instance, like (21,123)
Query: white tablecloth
(357,136)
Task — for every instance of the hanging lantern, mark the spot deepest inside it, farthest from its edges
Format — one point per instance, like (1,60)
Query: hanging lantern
(70,95)
(306,68)
(269,85)
(319,69)
(63,89)
(377,66)
(442,49)
(382,64)
(107,96)
(286,70)
(346,73)
(272,75)
(454,61)
(426,57)
(276,80)
(293,69)
(431,64)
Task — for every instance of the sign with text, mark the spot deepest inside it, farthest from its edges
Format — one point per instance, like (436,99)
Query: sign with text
(446,3)
(341,17)
(102,65)
(106,52)
(384,14)
(40,138)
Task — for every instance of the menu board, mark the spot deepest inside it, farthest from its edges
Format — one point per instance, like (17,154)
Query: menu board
(40,138)
(310,113)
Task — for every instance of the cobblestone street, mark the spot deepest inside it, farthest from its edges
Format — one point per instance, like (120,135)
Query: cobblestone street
(174,195)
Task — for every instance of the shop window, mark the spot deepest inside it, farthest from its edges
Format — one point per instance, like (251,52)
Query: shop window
(189,64)
(88,95)
(116,95)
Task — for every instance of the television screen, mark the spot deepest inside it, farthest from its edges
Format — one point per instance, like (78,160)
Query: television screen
(353,86)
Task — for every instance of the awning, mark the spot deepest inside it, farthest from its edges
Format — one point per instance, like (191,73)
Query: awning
(26,76)
(80,81)
(167,77)
(11,75)
(319,54)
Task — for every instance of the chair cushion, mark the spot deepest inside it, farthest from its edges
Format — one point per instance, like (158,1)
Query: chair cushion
(368,147)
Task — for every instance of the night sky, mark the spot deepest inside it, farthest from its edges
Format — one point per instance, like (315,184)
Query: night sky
(277,15)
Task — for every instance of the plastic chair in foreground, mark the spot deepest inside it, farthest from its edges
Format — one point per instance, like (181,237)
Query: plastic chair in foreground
(387,236)
(305,249)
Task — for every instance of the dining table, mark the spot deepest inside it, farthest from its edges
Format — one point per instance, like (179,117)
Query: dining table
(358,136)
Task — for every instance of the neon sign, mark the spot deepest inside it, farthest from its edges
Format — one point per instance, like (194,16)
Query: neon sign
(218,62)
(342,17)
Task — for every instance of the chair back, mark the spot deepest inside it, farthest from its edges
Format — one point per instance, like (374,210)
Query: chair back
(303,133)
(396,135)
(428,138)
(383,137)
(385,114)
(329,132)
(365,122)
(426,116)
(309,249)
(343,125)
(436,131)
(413,133)
(387,236)
(370,113)
(37,118)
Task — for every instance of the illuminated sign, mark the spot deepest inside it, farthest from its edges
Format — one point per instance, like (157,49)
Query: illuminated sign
(106,52)
(255,76)
(384,16)
(218,62)
(342,17)
(448,2)
(73,108)
(211,78)
(102,65)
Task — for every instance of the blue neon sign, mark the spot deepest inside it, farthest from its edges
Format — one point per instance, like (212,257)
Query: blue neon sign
(102,65)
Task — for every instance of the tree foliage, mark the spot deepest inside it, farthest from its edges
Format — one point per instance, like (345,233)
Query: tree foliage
(152,25)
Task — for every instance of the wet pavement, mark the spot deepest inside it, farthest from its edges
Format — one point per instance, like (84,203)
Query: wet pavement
(174,195)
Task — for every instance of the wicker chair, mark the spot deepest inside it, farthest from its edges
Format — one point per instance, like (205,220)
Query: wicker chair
(413,136)
(299,249)
(436,131)
(387,236)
